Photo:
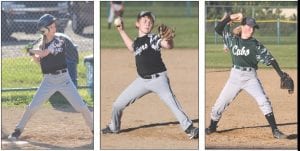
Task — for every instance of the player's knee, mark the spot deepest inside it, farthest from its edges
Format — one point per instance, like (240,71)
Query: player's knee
(118,106)
(32,109)
(265,107)
(168,96)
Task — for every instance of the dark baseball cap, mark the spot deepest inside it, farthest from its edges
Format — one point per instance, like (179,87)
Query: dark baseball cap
(251,22)
(146,13)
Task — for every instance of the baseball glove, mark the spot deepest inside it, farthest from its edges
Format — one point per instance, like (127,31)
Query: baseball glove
(166,32)
(286,82)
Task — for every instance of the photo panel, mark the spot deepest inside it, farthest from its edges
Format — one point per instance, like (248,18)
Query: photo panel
(149,80)
(251,70)
(47,75)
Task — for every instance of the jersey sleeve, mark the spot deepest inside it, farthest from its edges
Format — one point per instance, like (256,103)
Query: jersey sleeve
(155,42)
(263,55)
(227,37)
(70,48)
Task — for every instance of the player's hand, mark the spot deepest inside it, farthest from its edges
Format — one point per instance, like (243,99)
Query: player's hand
(36,58)
(42,53)
(236,17)
(120,25)
(225,48)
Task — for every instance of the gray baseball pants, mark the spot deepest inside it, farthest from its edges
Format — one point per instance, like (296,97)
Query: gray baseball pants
(141,87)
(50,84)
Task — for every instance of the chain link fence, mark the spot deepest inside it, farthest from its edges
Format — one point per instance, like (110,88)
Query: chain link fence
(278,24)
(18,28)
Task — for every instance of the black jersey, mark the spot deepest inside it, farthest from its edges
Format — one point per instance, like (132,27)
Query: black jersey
(147,55)
(56,60)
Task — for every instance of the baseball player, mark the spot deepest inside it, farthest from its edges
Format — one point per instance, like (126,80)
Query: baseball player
(116,10)
(152,73)
(246,52)
(52,59)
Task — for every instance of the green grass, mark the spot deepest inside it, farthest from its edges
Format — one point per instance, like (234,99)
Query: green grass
(186,32)
(283,40)
(286,56)
(169,13)
(20,72)
(23,98)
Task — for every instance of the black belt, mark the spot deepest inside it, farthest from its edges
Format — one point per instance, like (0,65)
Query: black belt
(243,68)
(152,76)
(58,72)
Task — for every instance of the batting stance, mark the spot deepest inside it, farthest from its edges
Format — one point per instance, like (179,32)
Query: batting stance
(152,73)
(246,52)
(51,57)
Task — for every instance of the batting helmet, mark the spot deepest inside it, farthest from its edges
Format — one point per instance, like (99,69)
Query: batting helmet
(45,21)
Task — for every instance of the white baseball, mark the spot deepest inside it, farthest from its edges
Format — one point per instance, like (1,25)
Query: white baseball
(118,21)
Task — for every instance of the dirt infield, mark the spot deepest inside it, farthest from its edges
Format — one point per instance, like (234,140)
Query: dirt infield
(47,129)
(148,123)
(243,125)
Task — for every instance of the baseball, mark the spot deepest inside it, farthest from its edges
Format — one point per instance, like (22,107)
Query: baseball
(118,22)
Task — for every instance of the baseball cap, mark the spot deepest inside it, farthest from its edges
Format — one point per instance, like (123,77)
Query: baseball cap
(146,13)
(251,22)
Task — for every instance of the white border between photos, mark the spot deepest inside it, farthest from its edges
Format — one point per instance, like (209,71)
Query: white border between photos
(201,65)
(97,75)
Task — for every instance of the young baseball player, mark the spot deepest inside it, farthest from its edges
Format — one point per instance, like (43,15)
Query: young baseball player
(116,10)
(152,75)
(246,52)
(52,59)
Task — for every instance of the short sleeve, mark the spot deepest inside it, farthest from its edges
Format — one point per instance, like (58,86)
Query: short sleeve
(155,42)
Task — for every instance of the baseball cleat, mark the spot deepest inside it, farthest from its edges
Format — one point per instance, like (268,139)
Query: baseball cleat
(210,130)
(15,135)
(107,130)
(278,134)
(192,132)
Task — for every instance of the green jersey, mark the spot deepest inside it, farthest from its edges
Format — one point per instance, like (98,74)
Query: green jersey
(245,52)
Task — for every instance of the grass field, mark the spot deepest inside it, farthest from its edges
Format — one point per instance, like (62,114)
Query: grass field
(286,56)
(20,72)
(169,13)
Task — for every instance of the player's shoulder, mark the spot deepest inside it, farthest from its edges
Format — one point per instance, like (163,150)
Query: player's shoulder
(254,40)
(63,36)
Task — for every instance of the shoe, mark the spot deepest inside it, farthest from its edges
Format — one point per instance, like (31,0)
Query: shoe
(15,135)
(278,134)
(192,132)
(107,130)
(210,130)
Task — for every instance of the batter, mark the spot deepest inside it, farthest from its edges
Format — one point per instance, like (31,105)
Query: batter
(245,52)
(55,75)
(152,75)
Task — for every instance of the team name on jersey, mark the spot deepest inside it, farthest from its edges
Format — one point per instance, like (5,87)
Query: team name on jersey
(240,52)
(56,46)
(140,49)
